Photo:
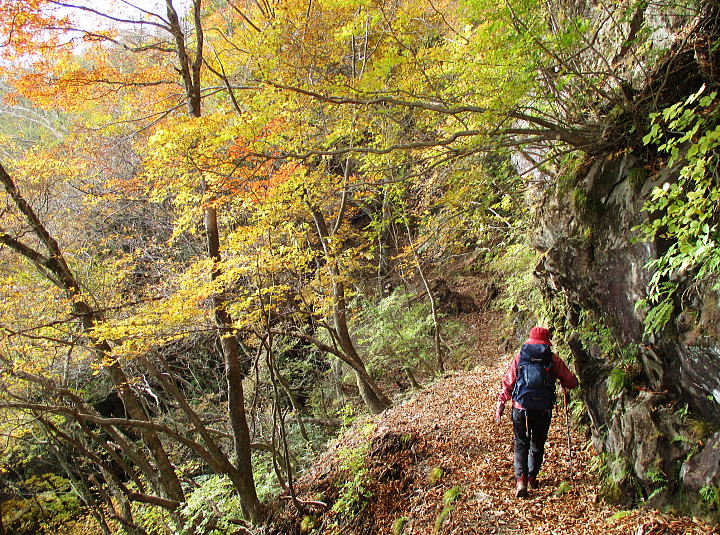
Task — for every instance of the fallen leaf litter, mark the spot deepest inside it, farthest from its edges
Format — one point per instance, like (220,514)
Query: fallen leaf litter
(451,427)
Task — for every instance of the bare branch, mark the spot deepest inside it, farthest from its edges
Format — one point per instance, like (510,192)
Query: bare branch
(110,17)
(245,18)
(152,14)
(570,136)
(386,150)
(440,108)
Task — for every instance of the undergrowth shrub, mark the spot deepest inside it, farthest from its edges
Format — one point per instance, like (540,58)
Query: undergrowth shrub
(614,473)
(212,508)
(521,294)
(683,212)
(44,503)
(594,332)
(355,492)
(711,496)
(397,334)
(617,382)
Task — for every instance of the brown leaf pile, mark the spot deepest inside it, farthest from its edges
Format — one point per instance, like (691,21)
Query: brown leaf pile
(451,426)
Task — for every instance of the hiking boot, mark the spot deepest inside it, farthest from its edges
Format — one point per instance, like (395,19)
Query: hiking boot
(533,482)
(522,486)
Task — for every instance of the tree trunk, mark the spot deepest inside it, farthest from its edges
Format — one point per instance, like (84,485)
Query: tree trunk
(437,339)
(285,384)
(2,526)
(411,377)
(244,482)
(371,393)
(163,479)
(383,248)
(215,458)
(235,376)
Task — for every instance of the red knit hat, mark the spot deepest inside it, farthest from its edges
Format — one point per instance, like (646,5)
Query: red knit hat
(539,335)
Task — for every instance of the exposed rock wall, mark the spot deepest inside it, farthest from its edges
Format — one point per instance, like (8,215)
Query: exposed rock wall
(592,259)
(658,429)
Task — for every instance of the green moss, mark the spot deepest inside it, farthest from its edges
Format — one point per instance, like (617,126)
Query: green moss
(308,524)
(399,525)
(449,498)
(562,488)
(435,475)
(620,515)
(579,198)
(700,429)
(442,517)
(451,495)
(637,176)
(569,173)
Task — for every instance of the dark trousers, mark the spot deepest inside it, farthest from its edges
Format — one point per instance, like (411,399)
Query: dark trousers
(531,431)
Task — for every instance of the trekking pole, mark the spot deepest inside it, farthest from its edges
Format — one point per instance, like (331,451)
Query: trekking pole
(567,427)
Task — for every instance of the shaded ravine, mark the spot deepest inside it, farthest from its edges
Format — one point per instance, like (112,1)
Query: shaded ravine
(446,437)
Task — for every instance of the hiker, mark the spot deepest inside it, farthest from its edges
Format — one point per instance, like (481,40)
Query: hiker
(530,382)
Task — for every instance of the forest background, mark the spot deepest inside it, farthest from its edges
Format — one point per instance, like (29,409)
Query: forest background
(224,224)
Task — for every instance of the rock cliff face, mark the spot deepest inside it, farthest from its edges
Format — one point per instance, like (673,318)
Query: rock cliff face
(648,431)
(653,400)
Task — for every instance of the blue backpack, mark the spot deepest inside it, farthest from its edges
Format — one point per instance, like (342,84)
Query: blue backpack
(535,383)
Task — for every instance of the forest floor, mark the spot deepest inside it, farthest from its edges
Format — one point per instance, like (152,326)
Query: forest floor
(441,462)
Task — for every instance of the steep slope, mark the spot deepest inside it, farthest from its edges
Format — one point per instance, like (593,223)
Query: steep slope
(439,464)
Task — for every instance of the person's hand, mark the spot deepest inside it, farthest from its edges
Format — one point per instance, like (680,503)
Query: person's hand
(499,411)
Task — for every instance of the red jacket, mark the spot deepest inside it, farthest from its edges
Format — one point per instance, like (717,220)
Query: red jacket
(562,373)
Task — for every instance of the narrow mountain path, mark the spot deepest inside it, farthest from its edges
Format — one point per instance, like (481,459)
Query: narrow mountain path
(444,443)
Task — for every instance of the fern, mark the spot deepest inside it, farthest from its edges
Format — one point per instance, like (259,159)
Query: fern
(617,382)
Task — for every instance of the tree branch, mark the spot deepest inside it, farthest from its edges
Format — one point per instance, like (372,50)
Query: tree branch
(110,17)
(386,150)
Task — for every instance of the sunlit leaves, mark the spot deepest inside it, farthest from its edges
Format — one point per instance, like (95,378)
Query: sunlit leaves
(37,329)
(683,212)
(177,311)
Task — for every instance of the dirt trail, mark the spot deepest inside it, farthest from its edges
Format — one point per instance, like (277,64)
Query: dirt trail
(451,426)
